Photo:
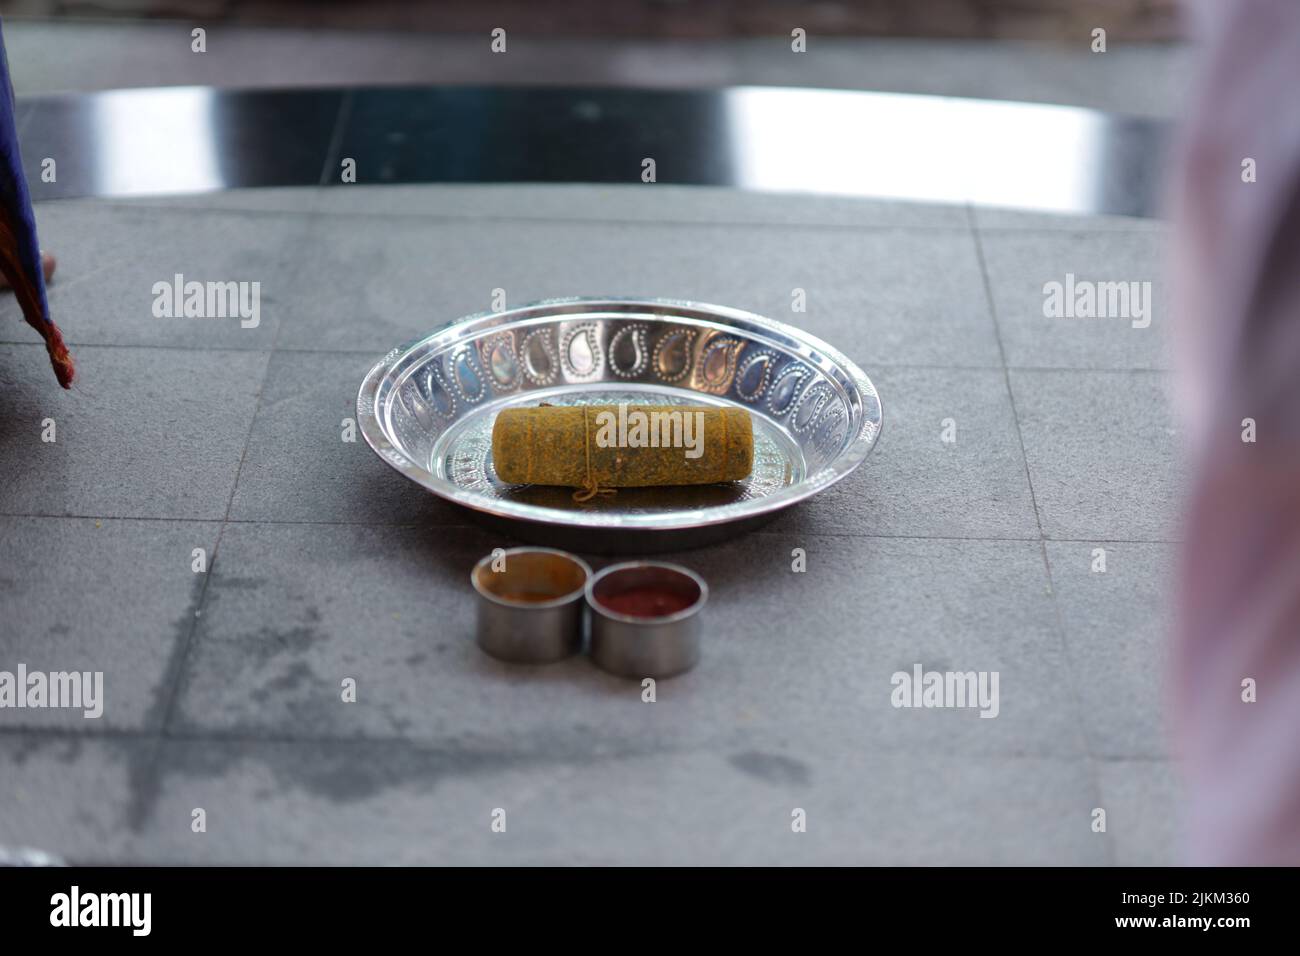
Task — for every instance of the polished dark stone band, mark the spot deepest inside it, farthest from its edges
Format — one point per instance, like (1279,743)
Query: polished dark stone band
(883,145)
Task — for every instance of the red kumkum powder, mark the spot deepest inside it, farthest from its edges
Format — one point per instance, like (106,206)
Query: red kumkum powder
(646,602)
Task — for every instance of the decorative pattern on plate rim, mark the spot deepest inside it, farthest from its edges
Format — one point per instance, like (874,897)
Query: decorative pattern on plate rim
(433,383)
(639,336)
(731,347)
(546,342)
(801,373)
(828,435)
(488,347)
(588,335)
(672,336)
(466,358)
(768,358)
(817,395)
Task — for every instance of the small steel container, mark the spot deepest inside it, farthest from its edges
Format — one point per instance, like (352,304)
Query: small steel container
(645,618)
(530,604)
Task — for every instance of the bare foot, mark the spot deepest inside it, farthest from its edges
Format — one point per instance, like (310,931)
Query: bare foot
(48,265)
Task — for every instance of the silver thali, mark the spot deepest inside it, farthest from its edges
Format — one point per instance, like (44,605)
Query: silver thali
(427,409)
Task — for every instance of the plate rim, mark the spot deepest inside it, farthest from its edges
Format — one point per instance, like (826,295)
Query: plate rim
(370,421)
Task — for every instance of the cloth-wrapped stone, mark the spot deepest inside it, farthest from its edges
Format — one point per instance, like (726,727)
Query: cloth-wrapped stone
(597,447)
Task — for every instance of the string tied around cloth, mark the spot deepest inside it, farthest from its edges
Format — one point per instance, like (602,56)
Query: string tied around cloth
(591,488)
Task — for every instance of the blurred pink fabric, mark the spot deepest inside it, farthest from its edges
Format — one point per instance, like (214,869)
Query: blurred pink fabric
(1237,282)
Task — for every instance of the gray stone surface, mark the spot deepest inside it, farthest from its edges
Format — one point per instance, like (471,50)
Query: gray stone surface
(1117,631)
(401,803)
(74,796)
(298,466)
(1143,822)
(884,297)
(112,254)
(658,202)
(287,607)
(994,219)
(147,433)
(1103,453)
(100,595)
(224,688)
(914,482)
(269,199)
(1020,264)
(552,202)
(280,802)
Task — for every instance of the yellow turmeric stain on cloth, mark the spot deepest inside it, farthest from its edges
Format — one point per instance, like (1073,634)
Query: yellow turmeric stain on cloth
(596,448)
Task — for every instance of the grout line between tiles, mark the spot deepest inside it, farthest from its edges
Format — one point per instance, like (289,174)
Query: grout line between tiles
(407,216)
(435,746)
(184,652)
(158,205)
(470,526)
(191,208)
(183,657)
(637,221)
(178,678)
(1072,678)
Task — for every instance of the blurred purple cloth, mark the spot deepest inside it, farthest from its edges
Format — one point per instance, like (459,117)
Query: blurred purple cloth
(1237,276)
(20,252)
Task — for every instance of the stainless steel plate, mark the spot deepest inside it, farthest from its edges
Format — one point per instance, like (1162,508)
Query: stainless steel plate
(427,409)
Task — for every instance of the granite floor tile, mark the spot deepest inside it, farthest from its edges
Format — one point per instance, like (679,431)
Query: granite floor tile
(298,466)
(1144,821)
(302,200)
(335,802)
(114,597)
(292,611)
(1103,454)
(823,645)
(111,256)
(146,433)
(1020,266)
(76,797)
(334,567)
(879,296)
(991,219)
(639,202)
(916,483)
(1117,630)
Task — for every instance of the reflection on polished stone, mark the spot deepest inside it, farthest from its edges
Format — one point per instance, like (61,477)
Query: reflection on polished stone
(177,140)
(770,139)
